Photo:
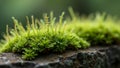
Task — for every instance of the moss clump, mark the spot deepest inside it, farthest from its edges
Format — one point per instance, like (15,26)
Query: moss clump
(40,37)
(46,35)
(98,30)
(100,34)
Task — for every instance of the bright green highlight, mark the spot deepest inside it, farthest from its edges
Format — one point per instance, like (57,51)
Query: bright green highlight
(42,36)
(46,35)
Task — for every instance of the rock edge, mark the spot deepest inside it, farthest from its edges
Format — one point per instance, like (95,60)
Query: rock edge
(94,57)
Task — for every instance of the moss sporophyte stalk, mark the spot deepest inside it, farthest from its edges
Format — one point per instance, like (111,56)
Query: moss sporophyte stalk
(47,35)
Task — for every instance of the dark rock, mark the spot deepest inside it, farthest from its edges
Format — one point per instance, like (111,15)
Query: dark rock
(92,60)
(57,65)
(94,57)
(113,55)
(5,66)
(23,65)
(42,66)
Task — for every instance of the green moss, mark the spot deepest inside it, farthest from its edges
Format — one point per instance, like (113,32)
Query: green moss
(47,35)
(98,30)
(41,37)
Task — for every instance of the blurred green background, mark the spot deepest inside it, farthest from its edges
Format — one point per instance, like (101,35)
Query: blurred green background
(22,8)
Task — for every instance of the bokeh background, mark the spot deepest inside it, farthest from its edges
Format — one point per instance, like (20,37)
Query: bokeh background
(21,8)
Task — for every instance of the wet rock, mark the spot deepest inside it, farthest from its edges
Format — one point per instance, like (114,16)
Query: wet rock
(4,60)
(94,57)
(23,65)
(92,60)
(113,55)
(5,66)
(56,65)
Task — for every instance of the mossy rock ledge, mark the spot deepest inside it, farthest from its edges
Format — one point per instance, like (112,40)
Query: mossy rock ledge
(93,57)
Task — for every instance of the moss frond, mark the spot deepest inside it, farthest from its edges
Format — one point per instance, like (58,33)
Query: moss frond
(47,35)
(41,36)
(100,30)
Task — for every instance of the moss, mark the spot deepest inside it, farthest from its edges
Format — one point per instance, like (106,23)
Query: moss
(40,37)
(98,30)
(46,35)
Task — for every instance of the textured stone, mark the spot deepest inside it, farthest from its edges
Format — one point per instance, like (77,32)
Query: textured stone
(42,66)
(23,65)
(94,57)
(92,60)
(5,66)
(113,55)
(4,60)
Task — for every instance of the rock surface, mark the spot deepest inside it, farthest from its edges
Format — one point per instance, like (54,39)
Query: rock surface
(94,57)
